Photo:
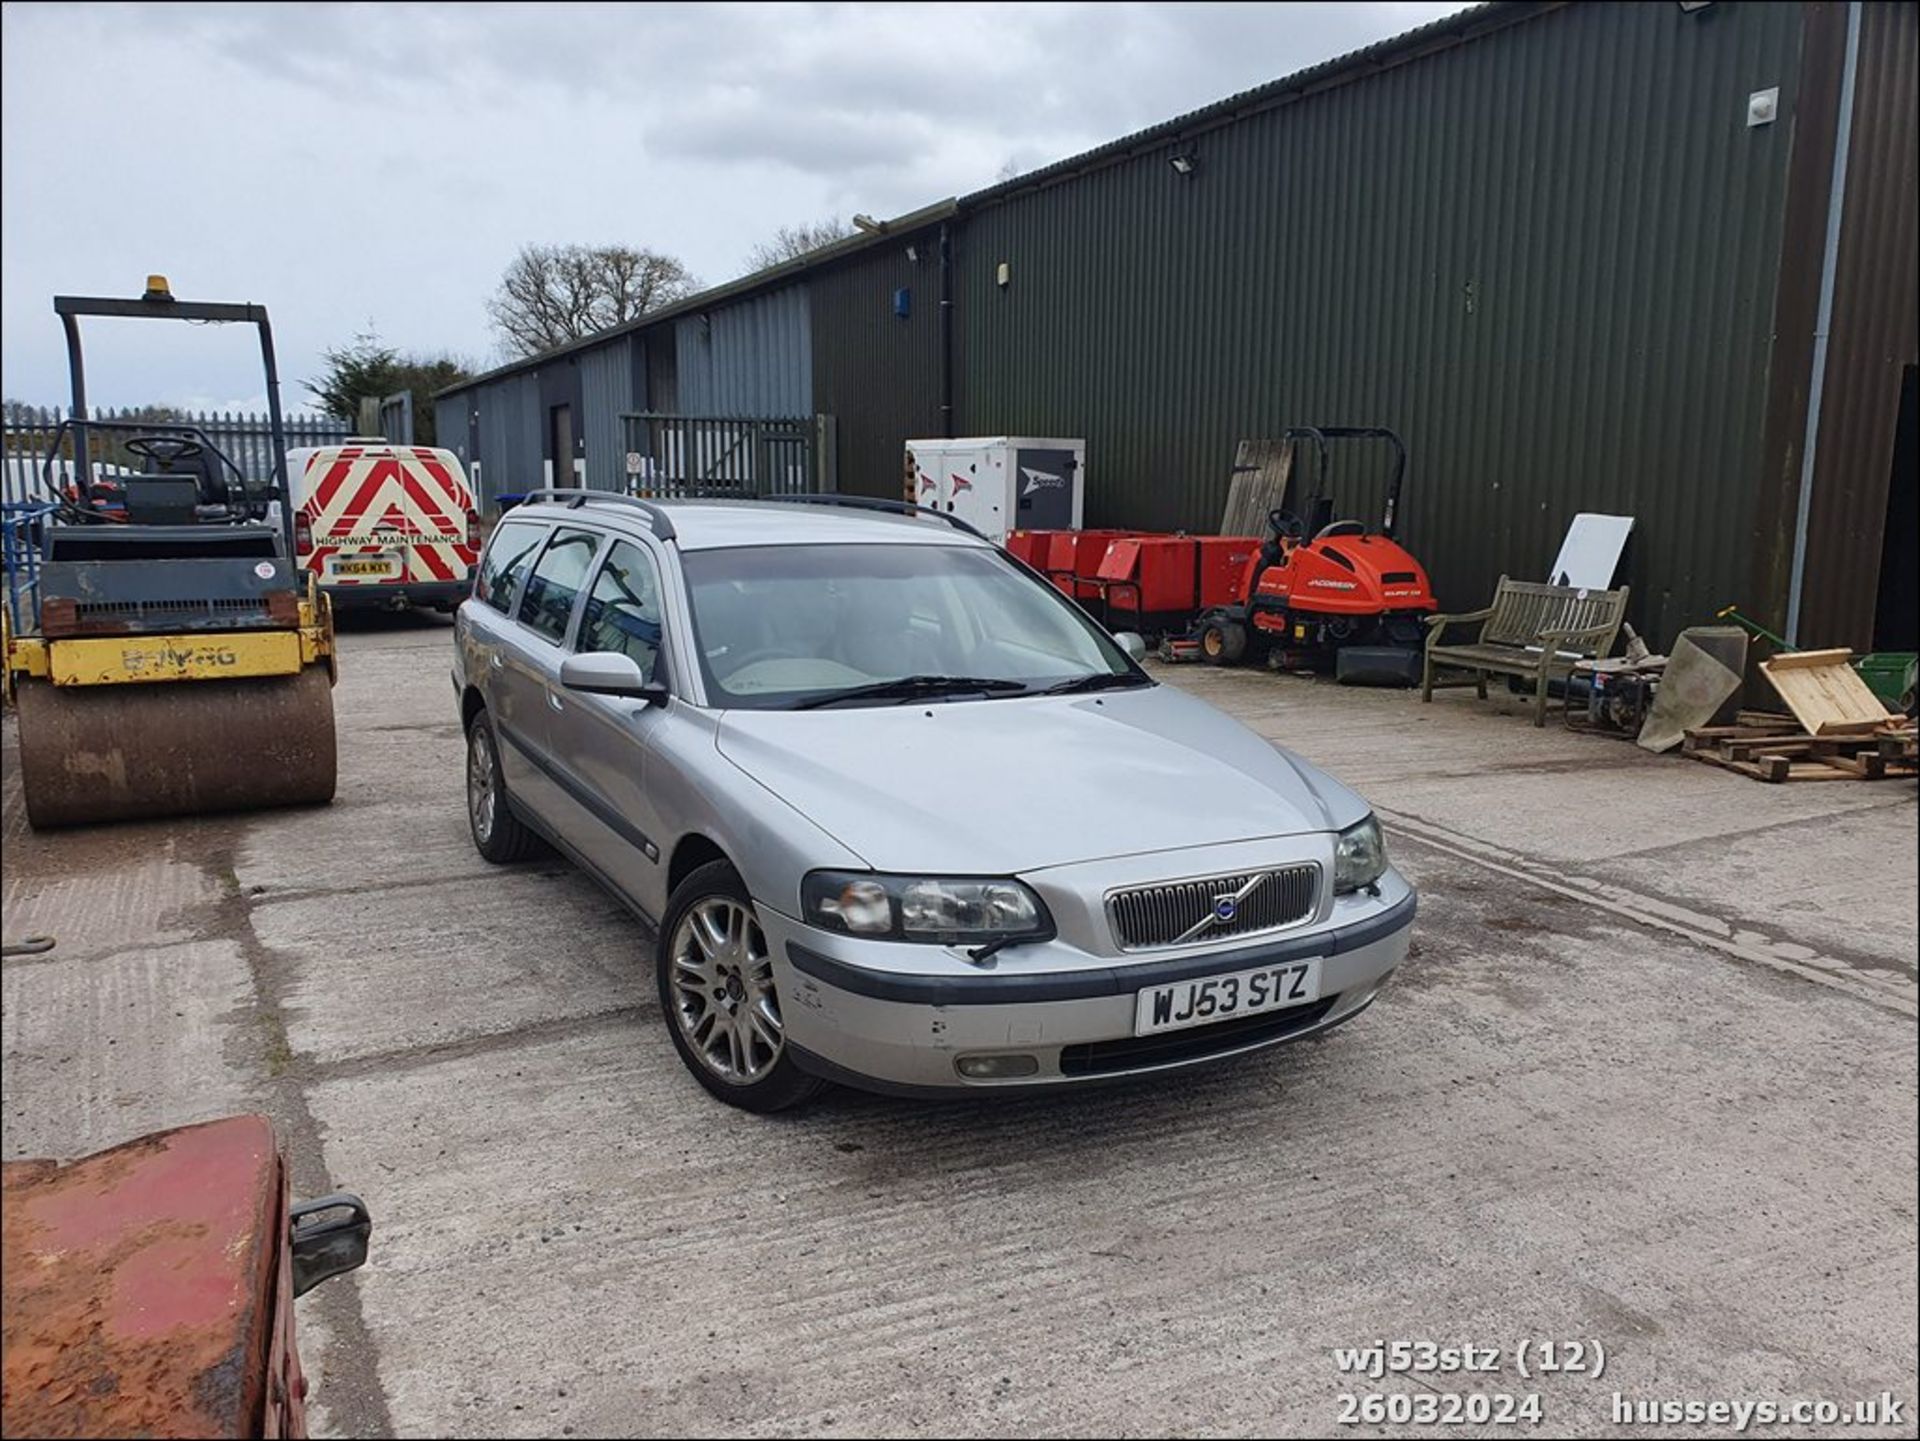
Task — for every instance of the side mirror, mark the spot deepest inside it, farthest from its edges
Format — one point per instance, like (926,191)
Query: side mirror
(610,672)
(1133,643)
(328,1238)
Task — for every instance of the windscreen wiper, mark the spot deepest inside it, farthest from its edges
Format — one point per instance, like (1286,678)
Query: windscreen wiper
(914,687)
(1099,680)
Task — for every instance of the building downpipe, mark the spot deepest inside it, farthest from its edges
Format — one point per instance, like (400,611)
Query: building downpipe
(946,330)
(1829,270)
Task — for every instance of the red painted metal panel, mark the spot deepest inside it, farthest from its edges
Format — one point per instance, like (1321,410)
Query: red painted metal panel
(1223,566)
(140,1286)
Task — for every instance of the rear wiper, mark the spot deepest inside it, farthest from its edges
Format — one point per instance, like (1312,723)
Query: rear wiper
(1099,680)
(913,687)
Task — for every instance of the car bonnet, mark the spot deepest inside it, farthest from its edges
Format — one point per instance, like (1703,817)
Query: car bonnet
(998,787)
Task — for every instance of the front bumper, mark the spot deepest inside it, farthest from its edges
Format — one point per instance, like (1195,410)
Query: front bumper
(900,1032)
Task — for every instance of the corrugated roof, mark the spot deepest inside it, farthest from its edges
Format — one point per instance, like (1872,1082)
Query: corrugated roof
(890,230)
(1368,60)
(1355,64)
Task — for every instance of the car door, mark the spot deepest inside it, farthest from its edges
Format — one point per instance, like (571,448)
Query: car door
(527,681)
(604,742)
(489,645)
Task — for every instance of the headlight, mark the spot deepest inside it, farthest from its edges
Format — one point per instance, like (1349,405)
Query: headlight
(1359,857)
(945,911)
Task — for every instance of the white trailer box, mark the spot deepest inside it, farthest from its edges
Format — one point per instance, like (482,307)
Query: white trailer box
(1001,483)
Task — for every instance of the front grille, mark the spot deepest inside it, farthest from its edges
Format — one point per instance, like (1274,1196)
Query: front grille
(168,609)
(1095,1058)
(132,617)
(1164,915)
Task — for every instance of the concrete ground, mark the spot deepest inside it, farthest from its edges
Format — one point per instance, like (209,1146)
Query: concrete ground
(1648,1081)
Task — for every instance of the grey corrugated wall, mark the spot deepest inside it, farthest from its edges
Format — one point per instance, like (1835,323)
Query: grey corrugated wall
(1547,256)
(606,392)
(510,448)
(752,357)
(450,423)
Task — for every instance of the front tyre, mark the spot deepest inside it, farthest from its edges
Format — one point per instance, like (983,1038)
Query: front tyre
(717,990)
(1223,642)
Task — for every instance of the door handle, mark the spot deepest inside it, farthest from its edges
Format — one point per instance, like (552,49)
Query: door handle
(554,702)
(494,661)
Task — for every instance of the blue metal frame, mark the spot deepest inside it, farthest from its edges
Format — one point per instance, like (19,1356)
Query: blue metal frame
(20,551)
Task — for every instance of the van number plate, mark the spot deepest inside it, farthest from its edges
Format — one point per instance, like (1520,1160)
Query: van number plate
(372,566)
(1225,998)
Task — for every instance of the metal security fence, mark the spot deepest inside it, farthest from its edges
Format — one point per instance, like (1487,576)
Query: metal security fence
(682,456)
(26,432)
(34,479)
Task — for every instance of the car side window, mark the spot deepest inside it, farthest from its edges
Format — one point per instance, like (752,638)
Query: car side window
(556,583)
(623,609)
(510,551)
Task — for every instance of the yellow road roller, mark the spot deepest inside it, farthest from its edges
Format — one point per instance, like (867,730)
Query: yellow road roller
(177,661)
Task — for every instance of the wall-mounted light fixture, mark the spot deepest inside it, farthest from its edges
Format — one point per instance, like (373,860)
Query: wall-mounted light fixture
(913,255)
(1184,161)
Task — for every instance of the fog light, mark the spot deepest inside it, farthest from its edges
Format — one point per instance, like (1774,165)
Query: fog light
(997,1068)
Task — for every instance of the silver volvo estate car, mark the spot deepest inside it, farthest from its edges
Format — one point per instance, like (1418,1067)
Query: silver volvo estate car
(902,814)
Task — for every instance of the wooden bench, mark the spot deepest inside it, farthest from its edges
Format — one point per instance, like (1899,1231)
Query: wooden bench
(1532,630)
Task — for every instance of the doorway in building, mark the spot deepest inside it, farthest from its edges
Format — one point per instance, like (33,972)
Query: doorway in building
(1896,621)
(561,431)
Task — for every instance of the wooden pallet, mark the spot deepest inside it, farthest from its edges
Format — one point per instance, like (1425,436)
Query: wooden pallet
(1773,752)
(1259,485)
(1897,749)
(1825,693)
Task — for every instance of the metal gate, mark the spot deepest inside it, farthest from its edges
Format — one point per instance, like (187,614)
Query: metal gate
(683,456)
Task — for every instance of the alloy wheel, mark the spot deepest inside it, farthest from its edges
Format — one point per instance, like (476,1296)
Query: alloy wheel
(482,789)
(722,987)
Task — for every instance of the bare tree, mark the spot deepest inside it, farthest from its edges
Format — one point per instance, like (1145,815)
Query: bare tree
(552,294)
(790,242)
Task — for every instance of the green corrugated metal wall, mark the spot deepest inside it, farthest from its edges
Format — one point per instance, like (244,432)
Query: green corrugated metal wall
(876,374)
(1875,338)
(1547,256)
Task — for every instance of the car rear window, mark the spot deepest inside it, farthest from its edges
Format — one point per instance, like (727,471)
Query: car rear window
(556,583)
(509,553)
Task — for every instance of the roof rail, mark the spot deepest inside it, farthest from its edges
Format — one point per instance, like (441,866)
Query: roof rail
(660,521)
(874,502)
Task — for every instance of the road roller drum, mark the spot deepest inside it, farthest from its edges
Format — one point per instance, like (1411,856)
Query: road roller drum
(121,752)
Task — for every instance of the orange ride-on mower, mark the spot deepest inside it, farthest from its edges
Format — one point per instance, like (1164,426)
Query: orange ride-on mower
(1326,594)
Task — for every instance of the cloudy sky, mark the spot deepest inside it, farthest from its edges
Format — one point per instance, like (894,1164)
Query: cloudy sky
(376,166)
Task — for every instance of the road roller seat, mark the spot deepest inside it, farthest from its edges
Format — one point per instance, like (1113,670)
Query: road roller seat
(213,483)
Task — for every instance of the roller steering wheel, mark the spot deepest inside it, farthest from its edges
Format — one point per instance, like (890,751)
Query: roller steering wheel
(1342,527)
(1286,524)
(163,449)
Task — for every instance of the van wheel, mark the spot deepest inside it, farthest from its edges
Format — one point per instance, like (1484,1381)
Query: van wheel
(497,832)
(717,989)
(1223,642)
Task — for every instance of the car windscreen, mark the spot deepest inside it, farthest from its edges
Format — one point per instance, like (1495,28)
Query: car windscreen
(792,625)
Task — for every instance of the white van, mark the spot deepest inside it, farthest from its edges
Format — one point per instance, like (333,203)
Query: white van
(384,525)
